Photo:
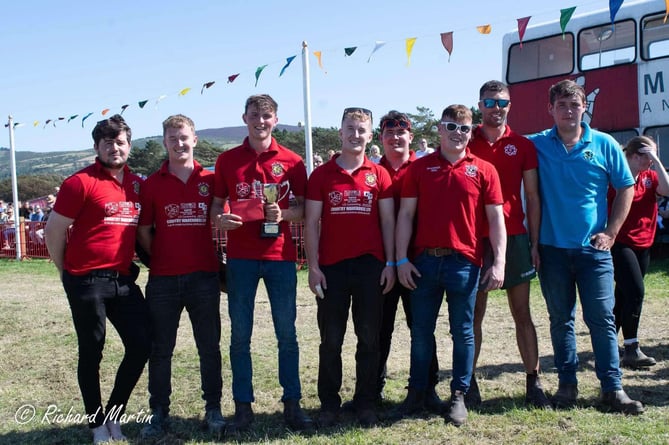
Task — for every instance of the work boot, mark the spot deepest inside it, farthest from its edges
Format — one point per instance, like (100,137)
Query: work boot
(114,427)
(619,402)
(457,413)
(432,401)
(327,418)
(157,426)
(473,396)
(101,435)
(214,422)
(412,404)
(367,417)
(243,417)
(565,397)
(633,358)
(295,418)
(534,392)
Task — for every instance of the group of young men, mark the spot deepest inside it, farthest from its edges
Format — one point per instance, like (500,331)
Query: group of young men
(414,228)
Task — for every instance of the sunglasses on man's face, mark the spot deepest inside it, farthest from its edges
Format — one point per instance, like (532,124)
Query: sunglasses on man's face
(452,126)
(490,103)
(395,123)
(349,110)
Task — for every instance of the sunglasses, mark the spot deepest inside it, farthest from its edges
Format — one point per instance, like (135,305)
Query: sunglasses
(395,123)
(349,110)
(490,103)
(452,126)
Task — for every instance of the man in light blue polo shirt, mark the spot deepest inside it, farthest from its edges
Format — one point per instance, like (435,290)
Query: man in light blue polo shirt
(576,166)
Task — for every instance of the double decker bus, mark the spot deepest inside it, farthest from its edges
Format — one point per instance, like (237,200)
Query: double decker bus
(621,66)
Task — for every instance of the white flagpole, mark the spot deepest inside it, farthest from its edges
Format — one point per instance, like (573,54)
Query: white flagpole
(309,152)
(15,189)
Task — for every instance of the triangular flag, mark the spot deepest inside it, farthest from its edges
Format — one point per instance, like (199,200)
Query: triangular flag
(288,62)
(378,44)
(184,91)
(16,124)
(614,6)
(160,98)
(565,16)
(123,107)
(351,50)
(49,121)
(666,10)
(409,46)
(232,78)
(258,71)
(447,41)
(105,111)
(522,26)
(318,55)
(207,86)
(72,117)
(61,118)
(484,29)
(141,103)
(84,118)
(36,123)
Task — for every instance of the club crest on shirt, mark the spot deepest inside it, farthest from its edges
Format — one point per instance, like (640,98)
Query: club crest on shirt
(588,155)
(370,179)
(243,189)
(335,198)
(203,189)
(277,169)
(111,208)
(647,182)
(135,187)
(172,210)
(511,150)
(471,171)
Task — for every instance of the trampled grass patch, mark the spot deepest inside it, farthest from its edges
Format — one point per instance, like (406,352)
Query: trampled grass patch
(38,357)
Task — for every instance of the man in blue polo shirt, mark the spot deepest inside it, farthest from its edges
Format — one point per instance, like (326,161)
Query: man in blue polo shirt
(576,166)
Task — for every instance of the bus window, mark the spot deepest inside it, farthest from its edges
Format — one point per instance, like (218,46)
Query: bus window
(541,58)
(623,136)
(661,137)
(607,45)
(654,37)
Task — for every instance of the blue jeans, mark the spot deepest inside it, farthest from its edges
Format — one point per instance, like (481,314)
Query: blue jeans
(167,296)
(280,279)
(458,277)
(589,270)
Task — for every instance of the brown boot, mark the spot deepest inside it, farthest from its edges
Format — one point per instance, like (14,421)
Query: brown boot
(534,392)
(457,413)
(633,358)
(619,401)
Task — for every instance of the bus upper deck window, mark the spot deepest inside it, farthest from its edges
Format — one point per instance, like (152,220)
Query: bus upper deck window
(541,58)
(654,37)
(607,45)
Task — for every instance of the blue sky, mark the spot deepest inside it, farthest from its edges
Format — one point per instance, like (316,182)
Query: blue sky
(74,57)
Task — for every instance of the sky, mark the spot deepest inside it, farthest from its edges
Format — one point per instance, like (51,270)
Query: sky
(61,59)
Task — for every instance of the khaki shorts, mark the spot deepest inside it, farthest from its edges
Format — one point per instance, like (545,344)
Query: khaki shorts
(519,268)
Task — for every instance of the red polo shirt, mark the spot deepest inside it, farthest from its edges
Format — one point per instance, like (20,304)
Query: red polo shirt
(105,214)
(240,173)
(350,225)
(451,203)
(397,176)
(638,230)
(511,155)
(183,241)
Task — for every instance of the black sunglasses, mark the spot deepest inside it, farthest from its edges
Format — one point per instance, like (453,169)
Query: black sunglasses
(364,111)
(490,103)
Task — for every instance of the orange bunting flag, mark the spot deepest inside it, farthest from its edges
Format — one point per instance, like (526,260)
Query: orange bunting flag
(184,91)
(84,118)
(318,55)
(522,26)
(484,29)
(207,86)
(105,111)
(409,47)
(378,44)
(447,41)
(666,10)
(232,78)
(565,16)
(258,72)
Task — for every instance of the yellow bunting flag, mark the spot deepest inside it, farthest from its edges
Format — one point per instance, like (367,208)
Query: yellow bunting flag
(36,123)
(484,29)
(409,47)
(184,91)
(666,10)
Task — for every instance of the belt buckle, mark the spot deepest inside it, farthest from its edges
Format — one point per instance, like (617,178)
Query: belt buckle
(442,251)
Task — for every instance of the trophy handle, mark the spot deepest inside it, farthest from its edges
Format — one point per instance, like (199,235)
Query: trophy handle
(285,184)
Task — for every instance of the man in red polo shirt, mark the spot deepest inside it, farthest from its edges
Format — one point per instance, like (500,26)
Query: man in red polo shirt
(451,196)
(101,203)
(348,235)
(174,228)
(515,159)
(256,178)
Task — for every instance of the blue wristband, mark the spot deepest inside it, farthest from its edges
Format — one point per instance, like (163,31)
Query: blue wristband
(402,261)
(390,263)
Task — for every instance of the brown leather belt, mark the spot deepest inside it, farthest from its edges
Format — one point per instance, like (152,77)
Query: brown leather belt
(439,251)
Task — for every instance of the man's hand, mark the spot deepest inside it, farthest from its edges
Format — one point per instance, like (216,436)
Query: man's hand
(405,273)
(228,221)
(387,279)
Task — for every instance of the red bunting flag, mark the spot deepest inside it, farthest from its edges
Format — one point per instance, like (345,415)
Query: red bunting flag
(522,26)
(207,86)
(232,78)
(447,41)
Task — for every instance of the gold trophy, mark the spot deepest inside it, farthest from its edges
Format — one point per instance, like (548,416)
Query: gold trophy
(272,193)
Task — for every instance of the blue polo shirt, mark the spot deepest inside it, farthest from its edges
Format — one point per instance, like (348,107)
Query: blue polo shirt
(574,184)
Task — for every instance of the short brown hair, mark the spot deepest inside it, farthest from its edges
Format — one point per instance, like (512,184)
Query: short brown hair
(457,112)
(262,102)
(565,88)
(633,145)
(178,121)
(493,85)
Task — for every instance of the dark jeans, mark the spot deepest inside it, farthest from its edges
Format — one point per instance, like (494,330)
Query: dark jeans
(167,296)
(355,283)
(92,300)
(629,268)
(390,302)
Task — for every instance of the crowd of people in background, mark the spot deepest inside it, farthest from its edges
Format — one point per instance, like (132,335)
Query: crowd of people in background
(436,224)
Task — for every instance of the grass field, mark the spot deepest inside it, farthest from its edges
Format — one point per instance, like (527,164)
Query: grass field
(38,356)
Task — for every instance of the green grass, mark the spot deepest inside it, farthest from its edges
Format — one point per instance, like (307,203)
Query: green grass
(38,359)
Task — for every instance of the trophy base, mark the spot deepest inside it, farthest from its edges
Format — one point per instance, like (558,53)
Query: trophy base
(269,230)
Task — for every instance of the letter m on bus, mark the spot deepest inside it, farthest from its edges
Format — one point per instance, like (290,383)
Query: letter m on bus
(648,83)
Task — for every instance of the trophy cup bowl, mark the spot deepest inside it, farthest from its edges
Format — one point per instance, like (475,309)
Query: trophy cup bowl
(272,193)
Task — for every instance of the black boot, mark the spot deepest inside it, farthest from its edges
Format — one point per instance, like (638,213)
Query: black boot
(412,404)
(619,401)
(633,357)
(534,392)
(243,417)
(295,418)
(565,397)
(457,413)
(473,396)
(432,401)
